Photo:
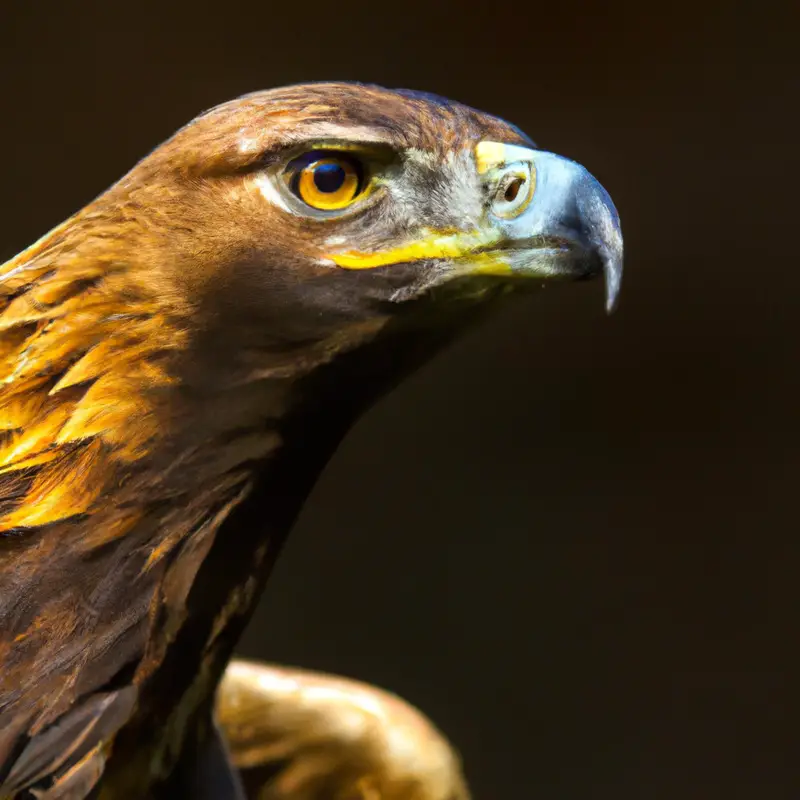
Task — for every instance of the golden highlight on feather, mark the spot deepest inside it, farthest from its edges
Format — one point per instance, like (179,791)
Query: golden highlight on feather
(36,436)
(29,463)
(112,528)
(80,360)
(78,780)
(68,488)
(20,410)
(104,356)
(163,548)
(29,254)
(107,412)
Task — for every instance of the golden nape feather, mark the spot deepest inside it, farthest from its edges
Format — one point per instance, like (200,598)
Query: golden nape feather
(300,735)
(80,361)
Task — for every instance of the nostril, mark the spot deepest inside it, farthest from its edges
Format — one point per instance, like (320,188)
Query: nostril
(513,189)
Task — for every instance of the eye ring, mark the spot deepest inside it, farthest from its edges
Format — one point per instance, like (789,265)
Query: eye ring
(326,181)
(514,192)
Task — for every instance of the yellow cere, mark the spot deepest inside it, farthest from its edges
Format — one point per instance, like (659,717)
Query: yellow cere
(492,155)
(489,155)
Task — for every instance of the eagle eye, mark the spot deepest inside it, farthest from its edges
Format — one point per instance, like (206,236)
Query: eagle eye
(326,181)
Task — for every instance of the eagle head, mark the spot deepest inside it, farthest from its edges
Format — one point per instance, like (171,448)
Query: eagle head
(312,216)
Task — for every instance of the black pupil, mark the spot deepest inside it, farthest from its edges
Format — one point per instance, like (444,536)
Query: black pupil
(329,178)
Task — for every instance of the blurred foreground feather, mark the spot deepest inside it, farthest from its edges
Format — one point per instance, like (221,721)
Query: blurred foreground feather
(299,735)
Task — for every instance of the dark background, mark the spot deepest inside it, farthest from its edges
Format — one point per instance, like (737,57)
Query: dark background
(571,539)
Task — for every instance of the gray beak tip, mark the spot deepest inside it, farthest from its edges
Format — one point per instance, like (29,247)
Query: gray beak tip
(612,270)
(605,235)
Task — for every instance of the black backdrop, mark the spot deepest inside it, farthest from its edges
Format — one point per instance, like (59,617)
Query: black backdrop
(570,539)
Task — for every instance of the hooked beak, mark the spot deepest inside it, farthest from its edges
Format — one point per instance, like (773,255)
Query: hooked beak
(572,213)
(558,223)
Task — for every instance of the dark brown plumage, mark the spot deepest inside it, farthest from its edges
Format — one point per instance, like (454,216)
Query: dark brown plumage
(180,358)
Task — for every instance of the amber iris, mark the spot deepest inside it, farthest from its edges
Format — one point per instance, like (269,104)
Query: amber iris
(328,183)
